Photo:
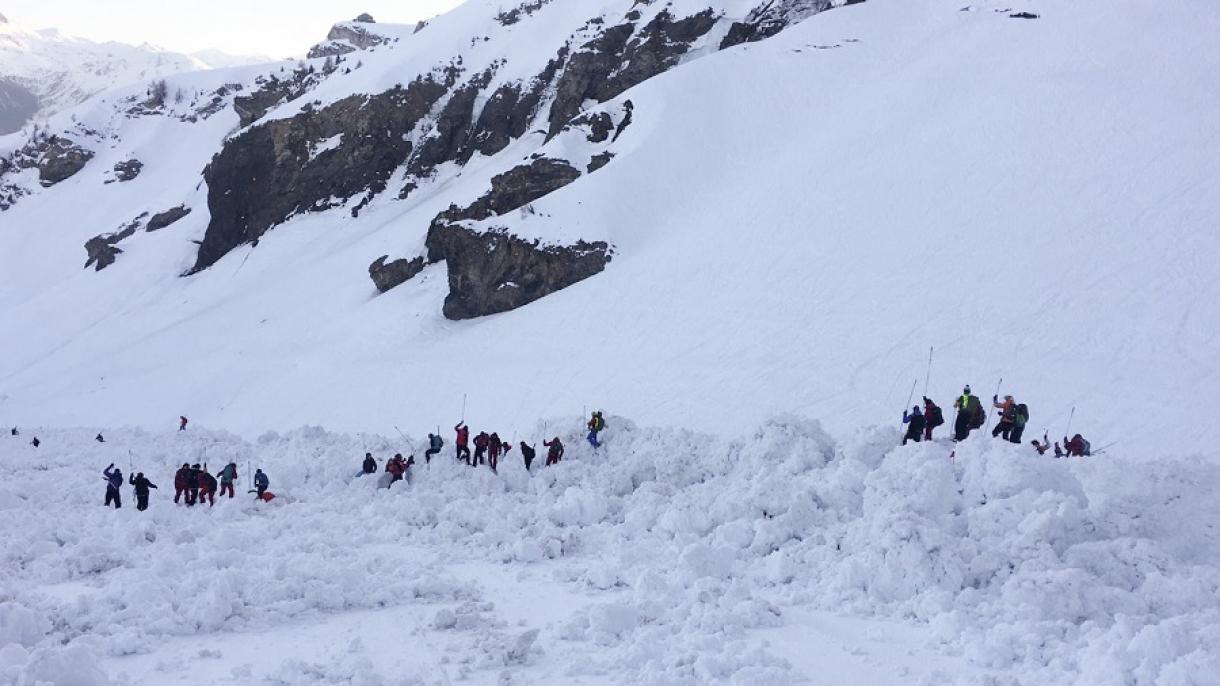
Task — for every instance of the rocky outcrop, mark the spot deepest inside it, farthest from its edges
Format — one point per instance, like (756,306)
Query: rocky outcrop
(496,272)
(127,170)
(772,16)
(620,58)
(102,250)
(387,275)
(270,172)
(161,220)
(512,189)
(347,37)
(273,91)
(524,9)
(61,159)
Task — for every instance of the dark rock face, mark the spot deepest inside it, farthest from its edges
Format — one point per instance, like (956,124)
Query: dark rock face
(514,188)
(274,90)
(771,17)
(388,275)
(452,126)
(269,172)
(497,272)
(103,249)
(599,160)
(127,170)
(61,160)
(163,219)
(615,61)
(365,18)
(524,9)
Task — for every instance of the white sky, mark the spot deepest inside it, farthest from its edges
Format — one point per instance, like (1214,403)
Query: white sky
(277,28)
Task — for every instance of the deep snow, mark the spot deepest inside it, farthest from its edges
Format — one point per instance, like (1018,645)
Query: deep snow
(795,222)
(670,557)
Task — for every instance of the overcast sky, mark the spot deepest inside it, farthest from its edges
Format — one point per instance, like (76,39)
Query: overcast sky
(278,28)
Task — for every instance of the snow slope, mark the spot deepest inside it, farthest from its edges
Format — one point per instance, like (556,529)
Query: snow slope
(63,71)
(672,557)
(795,222)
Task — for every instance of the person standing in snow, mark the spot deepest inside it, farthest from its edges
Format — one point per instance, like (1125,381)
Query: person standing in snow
(462,441)
(182,423)
(261,483)
(915,422)
(1007,412)
(15,431)
(227,476)
(181,483)
(1020,417)
(494,446)
(595,425)
(933,417)
(142,485)
(435,443)
(968,408)
(192,485)
(555,451)
(35,442)
(114,481)
(480,448)
(207,487)
(369,466)
(528,454)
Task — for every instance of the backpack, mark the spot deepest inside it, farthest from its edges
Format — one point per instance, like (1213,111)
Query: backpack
(599,423)
(1088,447)
(935,417)
(1022,416)
(978,416)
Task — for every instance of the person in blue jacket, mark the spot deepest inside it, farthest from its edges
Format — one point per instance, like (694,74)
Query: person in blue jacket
(261,483)
(915,422)
(114,481)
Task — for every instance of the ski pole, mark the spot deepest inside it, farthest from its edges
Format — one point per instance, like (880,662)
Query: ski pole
(1068,432)
(928,379)
(987,424)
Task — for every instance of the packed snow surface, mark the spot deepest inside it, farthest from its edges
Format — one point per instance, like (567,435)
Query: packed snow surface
(795,222)
(667,557)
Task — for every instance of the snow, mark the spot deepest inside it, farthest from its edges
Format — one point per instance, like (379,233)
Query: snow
(666,557)
(793,228)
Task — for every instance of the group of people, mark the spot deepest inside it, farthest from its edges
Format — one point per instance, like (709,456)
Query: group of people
(193,485)
(1013,417)
(489,448)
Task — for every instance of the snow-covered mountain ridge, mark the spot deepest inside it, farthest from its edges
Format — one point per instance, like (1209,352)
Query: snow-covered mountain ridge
(46,71)
(664,221)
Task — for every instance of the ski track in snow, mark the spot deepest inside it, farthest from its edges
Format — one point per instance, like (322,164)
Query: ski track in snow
(668,557)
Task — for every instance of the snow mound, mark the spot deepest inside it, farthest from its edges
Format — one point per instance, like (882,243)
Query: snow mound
(1037,570)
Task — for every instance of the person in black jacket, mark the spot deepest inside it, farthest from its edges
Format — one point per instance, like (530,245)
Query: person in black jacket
(915,422)
(114,481)
(192,484)
(370,464)
(142,485)
(207,487)
(528,453)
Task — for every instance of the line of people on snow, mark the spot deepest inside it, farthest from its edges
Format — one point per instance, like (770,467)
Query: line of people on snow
(489,449)
(971,416)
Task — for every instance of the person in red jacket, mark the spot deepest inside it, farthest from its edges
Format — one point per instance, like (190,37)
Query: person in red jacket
(1077,446)
(463,441)
(397,467)
(933,417)
(180,483)
(555,451)
(494,446)
(207,487)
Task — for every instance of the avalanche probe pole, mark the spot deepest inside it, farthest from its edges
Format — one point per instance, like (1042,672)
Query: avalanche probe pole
(463,407)
(1068,431)
(927,379)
